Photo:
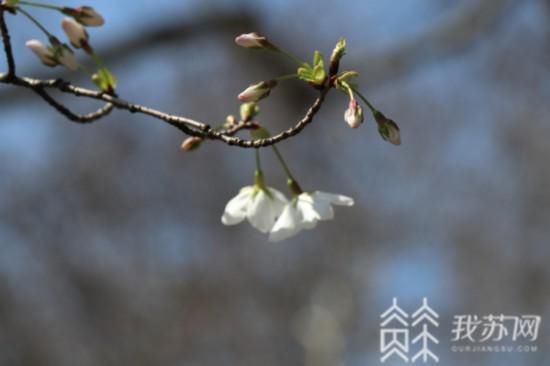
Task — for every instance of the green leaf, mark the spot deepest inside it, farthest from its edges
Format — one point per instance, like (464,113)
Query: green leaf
(318,74)
(317,59)
(344,76)
(305,72)
(104,80)
(339,50)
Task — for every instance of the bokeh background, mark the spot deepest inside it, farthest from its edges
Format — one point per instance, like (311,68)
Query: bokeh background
(111,246)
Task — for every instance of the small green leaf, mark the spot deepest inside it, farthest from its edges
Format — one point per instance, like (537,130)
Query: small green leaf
(347,75)
(317,58)
(318,75)
(339,50)
(104,80)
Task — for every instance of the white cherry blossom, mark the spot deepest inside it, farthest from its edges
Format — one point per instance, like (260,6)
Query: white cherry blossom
(260,206)
(304,211)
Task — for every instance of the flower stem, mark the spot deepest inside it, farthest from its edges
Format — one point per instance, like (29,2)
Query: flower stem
(258,162)
(289,56)
(86,69)
(35,21)
(40,5)
(371,107)
(97,59)
(259,175)
(286,77)
(283,162)
(291,182)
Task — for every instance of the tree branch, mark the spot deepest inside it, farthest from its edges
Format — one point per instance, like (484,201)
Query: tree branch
(184,124)
(7,44)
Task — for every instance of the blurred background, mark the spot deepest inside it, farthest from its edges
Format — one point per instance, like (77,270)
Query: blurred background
(111,246)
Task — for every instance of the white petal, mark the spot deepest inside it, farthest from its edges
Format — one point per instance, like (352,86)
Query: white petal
(277,195)
(335,199)
(310,216)
(288,224)
(236,208)
(263,211)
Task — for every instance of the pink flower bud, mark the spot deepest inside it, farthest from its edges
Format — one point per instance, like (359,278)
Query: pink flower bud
(257,91)
(85,15)
(354,114)
(191,143)
(45,54)
(251,40)
(75,32)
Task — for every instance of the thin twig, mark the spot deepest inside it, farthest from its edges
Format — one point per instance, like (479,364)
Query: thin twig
(7,45)
(186,125)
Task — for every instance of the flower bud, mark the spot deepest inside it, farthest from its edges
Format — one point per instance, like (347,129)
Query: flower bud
(45,54)
(354,114)
(337,54)
(191,143)
(387,128)
(230,121)
(76,33)
(248,111)
(85,15)
(10,3)
(65,56)
(252,40)
(257,91)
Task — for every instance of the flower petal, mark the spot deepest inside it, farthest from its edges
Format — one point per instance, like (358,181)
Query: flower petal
(263,211)
(310,216)
(277,195)
(236,209)
(288,224)
(335,199)
(323,209)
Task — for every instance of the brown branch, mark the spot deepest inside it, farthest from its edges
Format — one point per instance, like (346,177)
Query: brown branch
(78,118)
(7,43)
(186,125)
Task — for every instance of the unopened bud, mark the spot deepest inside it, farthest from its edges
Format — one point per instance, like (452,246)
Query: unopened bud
(257,91)
(354,114)
(191,143)
(252,40)
(85,15)
(76,33)
(10,3)
(230,121)
(65,56)
(45,54)
(248,111)
(337,54)
(387,128)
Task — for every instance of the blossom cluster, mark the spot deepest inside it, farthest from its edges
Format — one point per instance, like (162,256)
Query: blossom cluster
(269,211)
(265,208)
(74,26)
